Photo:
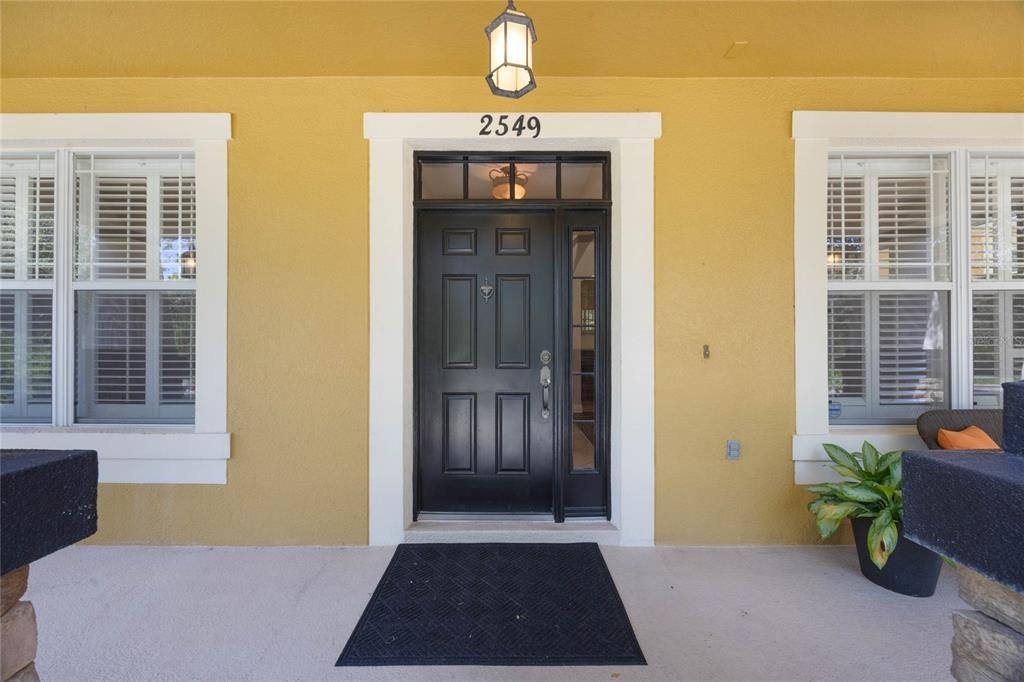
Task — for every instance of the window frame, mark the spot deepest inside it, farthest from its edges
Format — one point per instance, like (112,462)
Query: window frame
(138,453)
(817,135)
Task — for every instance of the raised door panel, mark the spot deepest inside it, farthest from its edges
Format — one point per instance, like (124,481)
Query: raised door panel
(512,324)
(459,433)
(513,433)
(458,305)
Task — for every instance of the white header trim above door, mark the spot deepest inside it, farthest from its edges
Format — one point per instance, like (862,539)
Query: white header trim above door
(630,140)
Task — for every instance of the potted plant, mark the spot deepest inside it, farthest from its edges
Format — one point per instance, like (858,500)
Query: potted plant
(873,501)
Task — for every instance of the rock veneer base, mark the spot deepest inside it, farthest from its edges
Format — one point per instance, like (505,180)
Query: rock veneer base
(987,644)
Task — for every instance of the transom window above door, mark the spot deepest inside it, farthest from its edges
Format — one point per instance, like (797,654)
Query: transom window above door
(519,177)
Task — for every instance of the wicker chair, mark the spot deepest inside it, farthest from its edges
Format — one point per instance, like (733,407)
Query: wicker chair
(929,423)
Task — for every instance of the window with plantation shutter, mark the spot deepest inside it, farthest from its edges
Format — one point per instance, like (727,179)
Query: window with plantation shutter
(997,343)
(887,355)
(996,208)
(887,228)
(135,343)
(27,222)
(997,218)
(101,322)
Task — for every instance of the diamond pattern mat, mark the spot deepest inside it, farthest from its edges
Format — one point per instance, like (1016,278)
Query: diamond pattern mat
(494,604)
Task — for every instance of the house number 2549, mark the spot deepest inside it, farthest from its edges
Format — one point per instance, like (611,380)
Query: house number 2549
(502,127)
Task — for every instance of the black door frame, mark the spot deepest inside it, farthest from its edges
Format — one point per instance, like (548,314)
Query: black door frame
(562,389)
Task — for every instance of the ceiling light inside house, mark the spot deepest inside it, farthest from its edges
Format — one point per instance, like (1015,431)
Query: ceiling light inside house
(501,177)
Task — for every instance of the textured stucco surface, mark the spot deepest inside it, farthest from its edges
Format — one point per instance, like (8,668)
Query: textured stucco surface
(298,299)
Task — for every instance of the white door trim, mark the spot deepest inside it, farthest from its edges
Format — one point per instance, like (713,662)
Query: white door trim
(393,138)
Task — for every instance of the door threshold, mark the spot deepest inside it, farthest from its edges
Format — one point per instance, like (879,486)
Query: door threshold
(477,516)
(512,530)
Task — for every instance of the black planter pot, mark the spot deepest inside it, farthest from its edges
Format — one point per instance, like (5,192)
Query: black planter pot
(912,570)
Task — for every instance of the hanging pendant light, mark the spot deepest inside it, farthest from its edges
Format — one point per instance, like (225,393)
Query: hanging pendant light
(511,36)
(500,179)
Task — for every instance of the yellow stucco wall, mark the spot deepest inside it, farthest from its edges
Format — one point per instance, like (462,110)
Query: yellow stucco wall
(298,314)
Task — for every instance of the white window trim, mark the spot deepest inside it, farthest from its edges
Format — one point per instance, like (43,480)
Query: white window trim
(629,137)
(817,134)
(149,454)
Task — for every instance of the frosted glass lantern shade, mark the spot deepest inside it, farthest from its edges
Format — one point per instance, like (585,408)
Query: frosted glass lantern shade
(511,36)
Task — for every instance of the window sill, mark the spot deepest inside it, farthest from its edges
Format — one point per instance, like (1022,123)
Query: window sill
(810,460)
(146,454)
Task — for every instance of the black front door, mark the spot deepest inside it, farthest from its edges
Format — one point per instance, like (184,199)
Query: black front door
(485,333)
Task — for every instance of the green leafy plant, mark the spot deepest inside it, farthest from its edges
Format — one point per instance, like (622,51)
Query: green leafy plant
(874,492)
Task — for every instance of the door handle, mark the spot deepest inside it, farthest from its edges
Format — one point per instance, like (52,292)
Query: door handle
(545,383)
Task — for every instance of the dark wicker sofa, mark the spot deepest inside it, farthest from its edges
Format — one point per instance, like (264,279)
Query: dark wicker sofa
(929,423)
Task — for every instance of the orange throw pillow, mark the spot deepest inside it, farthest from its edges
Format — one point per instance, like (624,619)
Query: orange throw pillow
(971,438)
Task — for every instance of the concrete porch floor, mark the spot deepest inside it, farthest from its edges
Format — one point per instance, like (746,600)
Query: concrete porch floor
(284,613)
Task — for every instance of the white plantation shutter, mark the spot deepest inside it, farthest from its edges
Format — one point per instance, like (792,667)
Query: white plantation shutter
(177,348)
(112,236)
(987,349)
(39,380)
(119,338)
(847,346)
(911,342)
(7,349)
(8,189)
(904,232)
(26,335)
(40,227)
(998,343)
(178,227)
(1016,225)
(986,244)
(997,218)
(845,240)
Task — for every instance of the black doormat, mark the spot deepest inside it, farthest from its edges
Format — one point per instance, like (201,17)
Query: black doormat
(494,604)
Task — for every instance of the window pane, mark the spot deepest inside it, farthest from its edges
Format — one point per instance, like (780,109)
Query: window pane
(441,180)
(583,253)
(582,350)
(582,180)
(997,344)
(997,218)
(538,180)
(583,396)
(26,213)
(135,356)
(26,348)
(900,206)
(583,451)
(888,358)
(135,217)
